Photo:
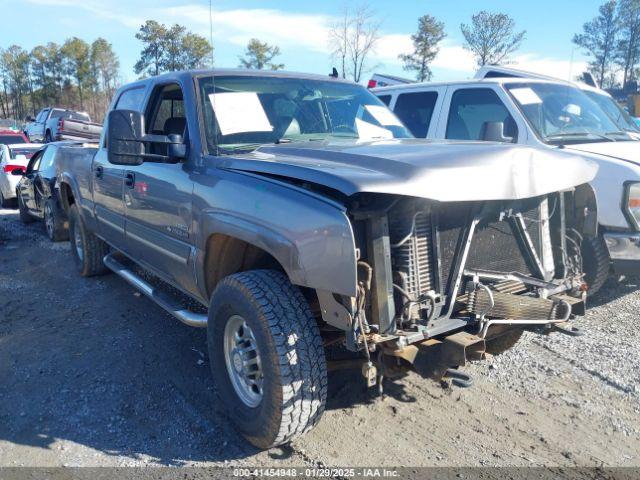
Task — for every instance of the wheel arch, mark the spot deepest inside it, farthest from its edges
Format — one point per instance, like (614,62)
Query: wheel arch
(234,242)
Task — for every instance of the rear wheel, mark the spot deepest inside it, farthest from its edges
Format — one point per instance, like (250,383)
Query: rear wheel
(87,249)
(595,262)
(55,222)
(266,356)
(25,216)
(47,137)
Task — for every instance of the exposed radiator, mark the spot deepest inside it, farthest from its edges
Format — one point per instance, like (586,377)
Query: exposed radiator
(414,257)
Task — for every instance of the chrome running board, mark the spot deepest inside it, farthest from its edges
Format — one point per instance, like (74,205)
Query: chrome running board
(163,300)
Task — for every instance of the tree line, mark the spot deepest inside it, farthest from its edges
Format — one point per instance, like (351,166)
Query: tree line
(75,74)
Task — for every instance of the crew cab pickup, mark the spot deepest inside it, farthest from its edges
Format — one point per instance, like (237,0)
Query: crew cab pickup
(55,124)
(300,214)
(548,114)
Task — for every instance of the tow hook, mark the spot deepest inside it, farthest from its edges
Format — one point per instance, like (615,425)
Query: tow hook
(571,331)
(458,378)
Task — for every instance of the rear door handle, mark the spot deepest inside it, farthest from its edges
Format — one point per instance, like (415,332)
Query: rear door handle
(99,171)
(130,179)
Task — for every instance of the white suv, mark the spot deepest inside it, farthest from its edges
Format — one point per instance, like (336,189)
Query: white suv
(548,114)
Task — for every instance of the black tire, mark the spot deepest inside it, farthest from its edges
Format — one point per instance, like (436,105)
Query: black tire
(25,216)
(595,262)
(502,338)
(88,258)
(55,221)
(294,371)
(47,137)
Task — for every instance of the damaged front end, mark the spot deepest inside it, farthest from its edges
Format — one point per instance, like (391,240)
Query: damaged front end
(438,282)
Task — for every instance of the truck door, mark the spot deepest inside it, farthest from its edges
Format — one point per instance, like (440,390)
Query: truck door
(108,182)
(158,195)
(470,110)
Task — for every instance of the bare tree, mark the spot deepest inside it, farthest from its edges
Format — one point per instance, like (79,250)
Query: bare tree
(353,39)
(491,37)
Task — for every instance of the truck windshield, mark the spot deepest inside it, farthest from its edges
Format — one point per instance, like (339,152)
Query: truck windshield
(243,112)
(562,114)
(612,108)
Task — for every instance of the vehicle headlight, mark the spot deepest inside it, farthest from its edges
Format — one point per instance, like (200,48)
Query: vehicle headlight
(632,201)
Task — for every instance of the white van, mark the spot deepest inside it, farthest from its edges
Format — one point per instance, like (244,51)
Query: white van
(548,114)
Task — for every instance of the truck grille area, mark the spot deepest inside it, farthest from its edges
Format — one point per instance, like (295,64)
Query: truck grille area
(427,238)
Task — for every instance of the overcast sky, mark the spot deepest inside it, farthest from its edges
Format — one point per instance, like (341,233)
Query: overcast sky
(300,29)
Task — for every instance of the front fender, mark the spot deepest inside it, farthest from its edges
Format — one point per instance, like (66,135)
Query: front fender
(311,238)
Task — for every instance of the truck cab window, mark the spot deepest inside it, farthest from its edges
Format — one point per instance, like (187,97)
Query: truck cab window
(166,115)
(415,110)
(474,108)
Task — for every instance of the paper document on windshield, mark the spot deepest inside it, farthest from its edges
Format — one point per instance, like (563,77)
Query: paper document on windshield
(369,131)
(526,96)
(383,115)
(239,112)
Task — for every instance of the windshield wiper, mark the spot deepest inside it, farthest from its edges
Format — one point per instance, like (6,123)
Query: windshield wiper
(248,147)
(578,134)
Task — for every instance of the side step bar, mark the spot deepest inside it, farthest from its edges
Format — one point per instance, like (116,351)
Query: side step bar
(167,303)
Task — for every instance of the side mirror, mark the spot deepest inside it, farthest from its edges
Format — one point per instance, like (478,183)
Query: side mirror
(30,119)
(124,137)
(494,132)
(18,172)
(176,148)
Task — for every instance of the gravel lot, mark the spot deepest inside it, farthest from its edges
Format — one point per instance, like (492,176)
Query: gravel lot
(92,374)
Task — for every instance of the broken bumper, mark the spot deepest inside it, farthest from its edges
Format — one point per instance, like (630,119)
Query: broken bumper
(624,251)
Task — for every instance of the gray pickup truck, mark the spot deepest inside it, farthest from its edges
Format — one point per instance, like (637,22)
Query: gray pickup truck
(55,124)
(312,233)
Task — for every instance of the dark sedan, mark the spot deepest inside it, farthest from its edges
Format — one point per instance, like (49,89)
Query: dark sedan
(37,199)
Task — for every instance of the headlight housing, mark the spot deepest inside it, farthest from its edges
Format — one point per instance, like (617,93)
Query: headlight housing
(632,204)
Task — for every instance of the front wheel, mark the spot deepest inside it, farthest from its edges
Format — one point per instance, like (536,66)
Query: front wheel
(266,357)
(595,262)
(87,249)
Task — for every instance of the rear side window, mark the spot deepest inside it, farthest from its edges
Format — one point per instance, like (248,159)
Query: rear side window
(415,110)
(83,117)
(472,109)
(131,99)
(386,99)
(11,139)
(27,152)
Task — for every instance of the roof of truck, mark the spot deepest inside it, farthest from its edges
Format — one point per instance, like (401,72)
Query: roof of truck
(474,81)
(237,72)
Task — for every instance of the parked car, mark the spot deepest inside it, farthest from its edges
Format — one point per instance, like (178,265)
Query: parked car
(13,158)
(55,124)
(546,114)
(37,195)
(298,212)
(10,137)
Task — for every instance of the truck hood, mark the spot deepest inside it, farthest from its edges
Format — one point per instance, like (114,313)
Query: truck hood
(628,151)
(442,171)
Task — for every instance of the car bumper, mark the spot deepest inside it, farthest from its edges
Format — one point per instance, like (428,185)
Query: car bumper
(8,184)
(624,251)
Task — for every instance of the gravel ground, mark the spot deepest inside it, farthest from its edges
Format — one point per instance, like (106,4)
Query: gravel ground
(92,374)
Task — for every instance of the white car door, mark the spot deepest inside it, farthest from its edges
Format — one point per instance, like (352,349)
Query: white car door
(469,108)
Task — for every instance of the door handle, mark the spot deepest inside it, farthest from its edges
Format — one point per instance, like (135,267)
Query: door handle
(130,179)
(99,171)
